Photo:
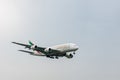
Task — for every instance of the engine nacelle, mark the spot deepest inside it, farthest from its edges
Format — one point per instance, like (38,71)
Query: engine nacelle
(48,50)
(33,47)
(69,55)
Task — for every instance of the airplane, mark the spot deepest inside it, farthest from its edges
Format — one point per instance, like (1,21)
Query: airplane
(62,50)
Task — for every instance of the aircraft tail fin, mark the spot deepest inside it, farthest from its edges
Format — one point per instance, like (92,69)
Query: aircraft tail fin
(30,43)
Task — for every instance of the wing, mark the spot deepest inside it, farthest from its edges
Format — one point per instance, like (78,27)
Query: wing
(41,49)
(32,53)
(26,51)
(27,46)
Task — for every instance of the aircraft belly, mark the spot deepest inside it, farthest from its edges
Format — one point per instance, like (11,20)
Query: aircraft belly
(38,53)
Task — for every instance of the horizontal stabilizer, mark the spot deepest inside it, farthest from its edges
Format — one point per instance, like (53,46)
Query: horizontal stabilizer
(31,43)
(26,51)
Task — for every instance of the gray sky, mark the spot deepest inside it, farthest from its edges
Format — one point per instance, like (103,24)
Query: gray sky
(94,25)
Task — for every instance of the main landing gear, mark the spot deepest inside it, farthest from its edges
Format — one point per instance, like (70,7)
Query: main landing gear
(56,57)
(53,57)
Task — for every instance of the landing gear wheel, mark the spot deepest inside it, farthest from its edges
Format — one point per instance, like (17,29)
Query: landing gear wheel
(51,57)
(73,52)
(56,57)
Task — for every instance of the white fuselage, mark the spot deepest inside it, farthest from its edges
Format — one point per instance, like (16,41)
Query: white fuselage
(65,47)
(51,52)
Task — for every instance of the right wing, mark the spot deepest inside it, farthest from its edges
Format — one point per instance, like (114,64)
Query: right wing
(26,51)
(32,53)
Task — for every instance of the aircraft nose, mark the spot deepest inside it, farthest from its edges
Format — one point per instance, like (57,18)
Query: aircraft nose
(74,46)
(77,47)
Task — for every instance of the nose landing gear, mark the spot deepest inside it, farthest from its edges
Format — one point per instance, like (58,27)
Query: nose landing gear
(73,52)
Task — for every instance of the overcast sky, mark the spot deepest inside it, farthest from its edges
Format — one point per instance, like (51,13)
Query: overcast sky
(94,25)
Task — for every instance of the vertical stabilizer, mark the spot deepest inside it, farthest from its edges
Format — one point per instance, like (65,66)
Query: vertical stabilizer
(31,43)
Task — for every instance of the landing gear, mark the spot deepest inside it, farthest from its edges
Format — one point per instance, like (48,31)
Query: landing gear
(56,57)
(73,52)
(52,57)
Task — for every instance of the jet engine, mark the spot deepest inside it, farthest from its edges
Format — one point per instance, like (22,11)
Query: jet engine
(69,55)
(48,50)
(33,47)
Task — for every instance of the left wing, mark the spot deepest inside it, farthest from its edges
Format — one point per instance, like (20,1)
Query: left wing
(41,49)
(27,46)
